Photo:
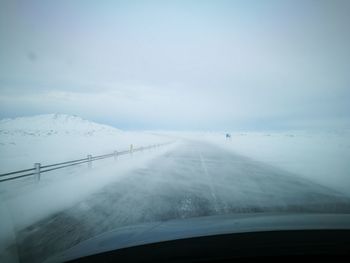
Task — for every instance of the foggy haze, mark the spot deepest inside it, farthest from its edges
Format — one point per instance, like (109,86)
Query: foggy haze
(208,65)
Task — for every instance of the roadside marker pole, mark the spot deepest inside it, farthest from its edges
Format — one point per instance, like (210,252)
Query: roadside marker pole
(37,171)
(89,160)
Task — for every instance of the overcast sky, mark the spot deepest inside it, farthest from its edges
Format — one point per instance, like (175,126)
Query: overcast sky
(211,65)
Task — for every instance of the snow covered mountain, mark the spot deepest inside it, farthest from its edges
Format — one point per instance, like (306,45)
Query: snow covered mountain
(51,124)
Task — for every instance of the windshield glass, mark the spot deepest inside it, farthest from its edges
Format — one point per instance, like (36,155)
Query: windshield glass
(119,113)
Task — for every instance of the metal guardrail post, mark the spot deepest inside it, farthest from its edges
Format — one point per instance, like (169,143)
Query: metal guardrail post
(37,167)
(89,160)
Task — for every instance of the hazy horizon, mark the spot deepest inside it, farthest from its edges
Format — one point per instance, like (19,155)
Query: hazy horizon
(178,65)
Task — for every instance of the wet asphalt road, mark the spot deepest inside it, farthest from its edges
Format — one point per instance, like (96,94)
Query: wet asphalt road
(193,180)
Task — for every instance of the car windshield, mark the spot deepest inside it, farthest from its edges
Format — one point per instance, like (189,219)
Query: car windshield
(122,113)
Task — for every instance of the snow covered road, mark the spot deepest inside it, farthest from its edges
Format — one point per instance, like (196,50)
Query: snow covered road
(194,179)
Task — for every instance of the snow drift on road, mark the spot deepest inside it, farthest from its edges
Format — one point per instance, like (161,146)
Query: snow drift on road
(323,157)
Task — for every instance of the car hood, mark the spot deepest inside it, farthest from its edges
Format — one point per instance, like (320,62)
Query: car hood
(148,233)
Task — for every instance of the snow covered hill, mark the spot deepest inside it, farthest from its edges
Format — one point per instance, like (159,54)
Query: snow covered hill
(51,124)
(58,137)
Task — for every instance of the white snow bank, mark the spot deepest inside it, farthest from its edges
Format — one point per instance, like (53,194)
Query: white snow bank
(321,157)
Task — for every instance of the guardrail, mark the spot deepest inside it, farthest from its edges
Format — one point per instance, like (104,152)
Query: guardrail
(38,169)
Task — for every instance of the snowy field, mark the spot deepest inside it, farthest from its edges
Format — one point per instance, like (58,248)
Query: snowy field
(54,138)
(199,174)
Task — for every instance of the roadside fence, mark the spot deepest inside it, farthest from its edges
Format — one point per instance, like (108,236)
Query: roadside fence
(39,169)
